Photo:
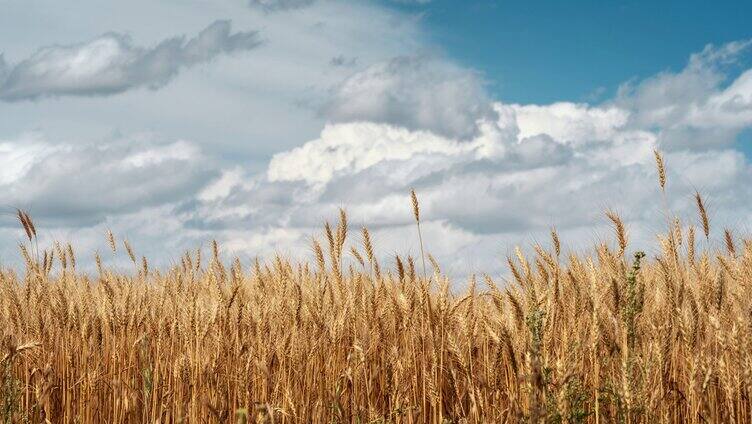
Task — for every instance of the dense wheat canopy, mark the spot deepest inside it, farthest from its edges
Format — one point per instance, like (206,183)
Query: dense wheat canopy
(604,337)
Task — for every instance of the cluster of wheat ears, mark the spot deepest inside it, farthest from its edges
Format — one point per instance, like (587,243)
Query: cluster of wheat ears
(609,337)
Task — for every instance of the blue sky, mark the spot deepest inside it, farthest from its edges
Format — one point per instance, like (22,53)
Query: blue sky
(744,142)
(546,51)
(252,121)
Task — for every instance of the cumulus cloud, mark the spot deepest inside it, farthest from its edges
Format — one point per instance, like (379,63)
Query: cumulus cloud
(694,107)
(350,148)
(112,64)
(82,184)
(501,180)
(417,92)
(570,122)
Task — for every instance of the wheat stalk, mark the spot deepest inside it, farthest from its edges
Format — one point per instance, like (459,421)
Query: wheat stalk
(704,220)
(660,165)
(416,215)
(621,232)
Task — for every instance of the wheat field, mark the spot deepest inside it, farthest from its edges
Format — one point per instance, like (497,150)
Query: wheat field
(609,337)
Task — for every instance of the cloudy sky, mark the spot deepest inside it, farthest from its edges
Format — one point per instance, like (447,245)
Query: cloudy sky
(252,121)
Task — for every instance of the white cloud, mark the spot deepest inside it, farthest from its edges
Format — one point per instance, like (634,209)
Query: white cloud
(222,186)
(82,184)
(18,156)
(570,122)
(112,64)
(417,92)
(459,181)
(347,149)
(730,107)
(694,107)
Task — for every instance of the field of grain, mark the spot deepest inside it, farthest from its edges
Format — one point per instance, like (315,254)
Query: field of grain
(609,337)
